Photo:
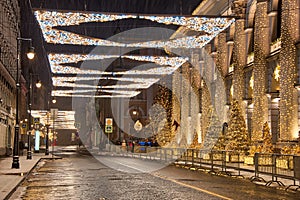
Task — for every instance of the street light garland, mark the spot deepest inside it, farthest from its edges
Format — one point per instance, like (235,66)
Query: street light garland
(169,65)
(208,27)
(130,93)
(64,79)
(49,19)
(59,69)
(56,59)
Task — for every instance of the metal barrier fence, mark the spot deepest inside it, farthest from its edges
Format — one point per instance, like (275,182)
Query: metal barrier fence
(229,163)
(277,166)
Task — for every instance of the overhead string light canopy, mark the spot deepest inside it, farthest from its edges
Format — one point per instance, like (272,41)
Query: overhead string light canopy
(208,27)
(115,93)
(167,65)
(64,81)
(57,59)
(130,82)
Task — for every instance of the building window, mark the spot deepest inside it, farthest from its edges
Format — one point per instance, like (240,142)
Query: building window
(274,11)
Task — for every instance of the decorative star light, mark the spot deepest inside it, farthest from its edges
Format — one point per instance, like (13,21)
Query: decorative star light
(277,73)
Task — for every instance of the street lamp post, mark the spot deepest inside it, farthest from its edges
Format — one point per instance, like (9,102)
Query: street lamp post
(38,85)
(29,155)
(47,135)
(30,55)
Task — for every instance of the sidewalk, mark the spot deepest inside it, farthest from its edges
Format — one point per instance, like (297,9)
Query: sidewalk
(11,178)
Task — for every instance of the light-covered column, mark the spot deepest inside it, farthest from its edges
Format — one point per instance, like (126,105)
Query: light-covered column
(261,50)
(239,50)
(288,94)
(221,59)
(221,71)
(185,104)
(206,90)
(176,107)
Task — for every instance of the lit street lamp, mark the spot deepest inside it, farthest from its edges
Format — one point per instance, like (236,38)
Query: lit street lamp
(30,55)
(38,84)
(54,100)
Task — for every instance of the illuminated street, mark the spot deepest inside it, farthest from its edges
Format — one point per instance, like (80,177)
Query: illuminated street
(150,99)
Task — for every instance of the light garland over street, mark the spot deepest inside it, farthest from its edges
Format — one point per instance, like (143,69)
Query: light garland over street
(50,21)
(208,27)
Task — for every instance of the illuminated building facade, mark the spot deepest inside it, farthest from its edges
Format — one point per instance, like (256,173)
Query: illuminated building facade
(259,59)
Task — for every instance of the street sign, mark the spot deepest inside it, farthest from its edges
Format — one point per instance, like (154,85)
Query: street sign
(108,129)
(108,121)
(108,125)
(36,120)
(54,113)
(24,125)
(77,125)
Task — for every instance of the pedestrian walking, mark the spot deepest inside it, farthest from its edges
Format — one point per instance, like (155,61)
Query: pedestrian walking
(21,148)
(132,148)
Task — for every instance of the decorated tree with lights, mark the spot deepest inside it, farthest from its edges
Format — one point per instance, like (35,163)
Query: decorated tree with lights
(221,143)
(237,136)
(267,140)
(213,131)
(195,143)
(164,99)
(157,121)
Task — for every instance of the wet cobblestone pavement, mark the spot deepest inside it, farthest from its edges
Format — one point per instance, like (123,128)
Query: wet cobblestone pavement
(83,177)
(86,178)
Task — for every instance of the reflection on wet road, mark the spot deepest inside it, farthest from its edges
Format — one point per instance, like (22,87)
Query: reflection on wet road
(84,177)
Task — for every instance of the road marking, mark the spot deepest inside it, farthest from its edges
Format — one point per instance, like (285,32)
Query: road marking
(172,180)
(135,168)
(118,162)
(192,187)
